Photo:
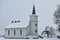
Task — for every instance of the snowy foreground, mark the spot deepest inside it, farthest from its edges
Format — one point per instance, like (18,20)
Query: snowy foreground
(1,38)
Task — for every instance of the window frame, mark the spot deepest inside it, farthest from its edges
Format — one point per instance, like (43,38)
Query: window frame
(8,32)
(14,32)
(20,31)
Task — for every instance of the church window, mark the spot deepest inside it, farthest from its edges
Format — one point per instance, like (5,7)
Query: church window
(20,32)
(35,24)
(14,32)
(36,31)
(8,32)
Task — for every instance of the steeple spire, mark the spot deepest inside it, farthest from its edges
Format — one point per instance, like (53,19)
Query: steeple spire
(33,12)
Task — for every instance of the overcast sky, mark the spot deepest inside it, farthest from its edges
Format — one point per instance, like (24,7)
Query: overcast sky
(21,9)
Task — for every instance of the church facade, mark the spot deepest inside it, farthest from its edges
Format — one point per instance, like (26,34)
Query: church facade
(14,30)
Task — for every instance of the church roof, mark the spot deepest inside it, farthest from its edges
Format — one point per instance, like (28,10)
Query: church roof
(16,25)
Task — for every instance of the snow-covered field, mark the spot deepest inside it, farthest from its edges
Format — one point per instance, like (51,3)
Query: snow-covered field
(1,38)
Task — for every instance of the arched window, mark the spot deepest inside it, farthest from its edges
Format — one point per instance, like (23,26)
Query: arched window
(8,32)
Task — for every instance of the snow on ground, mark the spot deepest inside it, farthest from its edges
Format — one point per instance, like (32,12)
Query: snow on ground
(1,38)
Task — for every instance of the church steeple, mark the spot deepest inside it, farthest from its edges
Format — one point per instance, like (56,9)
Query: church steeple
(33,22)
(33,12)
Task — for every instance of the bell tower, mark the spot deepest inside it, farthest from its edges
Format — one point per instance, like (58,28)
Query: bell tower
(34,22)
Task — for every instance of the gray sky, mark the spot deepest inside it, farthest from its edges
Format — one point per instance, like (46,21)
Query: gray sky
(21,9)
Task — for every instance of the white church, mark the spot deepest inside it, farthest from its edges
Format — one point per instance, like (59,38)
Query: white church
(15,30)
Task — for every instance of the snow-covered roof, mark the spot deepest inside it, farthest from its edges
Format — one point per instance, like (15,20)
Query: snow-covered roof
(16,25)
